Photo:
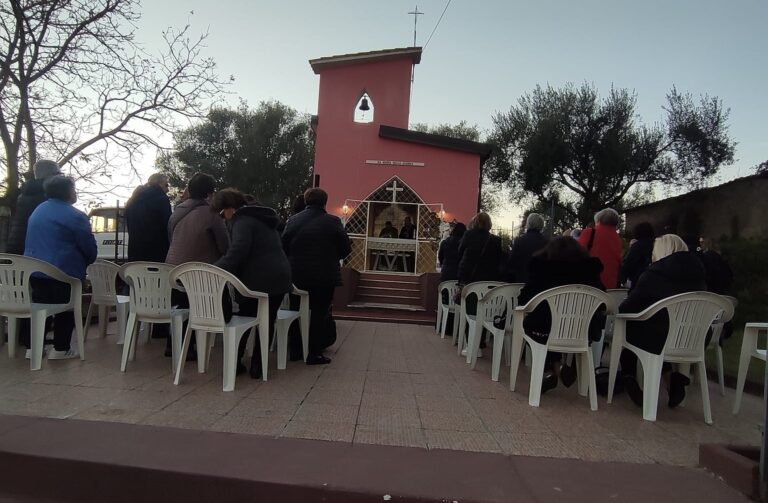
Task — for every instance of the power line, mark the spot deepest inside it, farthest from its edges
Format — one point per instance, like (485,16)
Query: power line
(438,23)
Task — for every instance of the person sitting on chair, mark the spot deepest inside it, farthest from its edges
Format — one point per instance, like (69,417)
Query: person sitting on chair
(409,230)
(388,231)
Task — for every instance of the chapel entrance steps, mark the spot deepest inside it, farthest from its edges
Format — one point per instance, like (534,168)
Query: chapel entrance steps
(389,289)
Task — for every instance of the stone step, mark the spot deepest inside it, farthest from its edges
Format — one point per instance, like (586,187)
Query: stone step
(389,284)
(389,299)
(377,290)
(400,278)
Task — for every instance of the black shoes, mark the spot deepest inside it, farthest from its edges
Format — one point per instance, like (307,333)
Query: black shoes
(318,360)
(568,375)
(549,382)
(677,384)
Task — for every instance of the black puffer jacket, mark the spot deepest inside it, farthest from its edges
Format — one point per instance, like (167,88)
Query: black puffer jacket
(544,274)
(520,256)
(315,242)
(636,261)
(678,273)
(479,257)
(448,256)
(32,195)
(255,254)
(147,213)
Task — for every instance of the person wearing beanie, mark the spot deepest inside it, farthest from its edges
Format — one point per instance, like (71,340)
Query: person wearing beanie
(32,195)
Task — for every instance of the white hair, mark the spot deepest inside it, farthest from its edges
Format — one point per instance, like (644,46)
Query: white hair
(534,222)
(607,216)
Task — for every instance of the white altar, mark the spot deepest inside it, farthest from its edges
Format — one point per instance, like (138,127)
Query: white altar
(390,250)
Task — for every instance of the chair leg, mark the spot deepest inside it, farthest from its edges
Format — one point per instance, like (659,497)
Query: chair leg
(201,338)
(651,365)
(37,336)
(539,353)
(443,322)
(264,342)
(498,349)
(507,349)
(517,353)
(130,340)
(13,336)
(590,364)
(177,323)
(597,351)
(438,322)
(617,343)
(122,310)
(748,346)
(230,358)
(701,366)
(473,343)
(461,334)
(183,355)
(88,315)
(582,382)
(79,330)
(103,313)
(720,370)
(142,326)
(281,337)
(304,328)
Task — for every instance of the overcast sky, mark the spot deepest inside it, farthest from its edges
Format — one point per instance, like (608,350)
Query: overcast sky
(485,54)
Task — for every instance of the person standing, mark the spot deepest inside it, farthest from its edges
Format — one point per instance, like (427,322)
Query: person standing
(256,257)
(603,242)
(147,213)
(409,230)
(448,254)
(32,195)
(524,247)
(315,242)
(60,235)
(638,257)
(388,231)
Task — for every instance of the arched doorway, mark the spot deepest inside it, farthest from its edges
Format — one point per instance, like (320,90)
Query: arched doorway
(409,248)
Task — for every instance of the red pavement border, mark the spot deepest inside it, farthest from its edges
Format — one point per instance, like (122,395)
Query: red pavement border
(89,461)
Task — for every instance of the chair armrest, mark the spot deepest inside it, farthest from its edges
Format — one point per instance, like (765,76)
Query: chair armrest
(298,291)
(245,292)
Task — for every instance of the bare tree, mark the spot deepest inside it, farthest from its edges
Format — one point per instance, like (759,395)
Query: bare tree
(77,87)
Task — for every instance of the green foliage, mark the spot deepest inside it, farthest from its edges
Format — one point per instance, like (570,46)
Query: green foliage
(266,152)
(749,261)
(462,130)
(570,142)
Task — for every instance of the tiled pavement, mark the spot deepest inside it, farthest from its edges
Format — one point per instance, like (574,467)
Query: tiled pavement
(388,384)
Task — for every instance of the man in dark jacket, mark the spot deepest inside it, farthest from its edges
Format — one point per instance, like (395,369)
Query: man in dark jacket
(32,195)
(315,242)
(147,213)
(523,249)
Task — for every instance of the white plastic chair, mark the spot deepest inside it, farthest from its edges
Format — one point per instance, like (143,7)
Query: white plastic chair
(150,302)
(690,316)
(572,308)
(618,295)
(498,301)
(204,284)
(749,350)
(285,318)
(478,288)
(443,309)
(16,303)
(103,277)
(717,333)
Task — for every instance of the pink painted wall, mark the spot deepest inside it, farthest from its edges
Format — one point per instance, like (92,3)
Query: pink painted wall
(342,146)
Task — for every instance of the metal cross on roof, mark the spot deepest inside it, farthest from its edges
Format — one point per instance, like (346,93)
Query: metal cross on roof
(394,189)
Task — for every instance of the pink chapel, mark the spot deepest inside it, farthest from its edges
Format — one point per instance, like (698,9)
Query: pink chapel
(376,170)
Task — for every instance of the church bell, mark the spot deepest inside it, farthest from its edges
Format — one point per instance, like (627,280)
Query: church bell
(364,105)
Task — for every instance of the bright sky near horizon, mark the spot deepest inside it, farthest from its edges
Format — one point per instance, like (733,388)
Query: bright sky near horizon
(486,54)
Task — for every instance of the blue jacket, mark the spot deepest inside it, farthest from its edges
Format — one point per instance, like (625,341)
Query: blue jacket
(61,235)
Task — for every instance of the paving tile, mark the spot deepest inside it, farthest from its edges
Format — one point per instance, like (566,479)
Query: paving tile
(445,403)
(331,413)
(604,448)
(453,421)
(533,444)
(520,424)
(269,426)
(217,402)
(319,430)
(406,437)
(399,401)
(389,417)
(461,441)
(200,420)
(333,396)
(113,414)
(668,452)
(153,400)
(263,408)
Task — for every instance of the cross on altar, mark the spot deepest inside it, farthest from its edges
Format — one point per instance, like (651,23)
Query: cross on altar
(394,189)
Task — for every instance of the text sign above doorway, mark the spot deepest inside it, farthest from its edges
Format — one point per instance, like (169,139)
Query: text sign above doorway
(394,163)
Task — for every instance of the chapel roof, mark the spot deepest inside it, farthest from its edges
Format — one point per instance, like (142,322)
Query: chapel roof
(320,64)
(436,140)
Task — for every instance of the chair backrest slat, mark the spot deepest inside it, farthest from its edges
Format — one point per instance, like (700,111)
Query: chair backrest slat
(501,301)
(15,274)
(103,277)
(150,288)
(690,317)
(451,287)
(204,284)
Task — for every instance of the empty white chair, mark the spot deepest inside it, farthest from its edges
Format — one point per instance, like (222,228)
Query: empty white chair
(103,277)
(717,333)
(618,294)
(150,302)
(690,316)
(16,303)
(478,288)
(449,288)
(748,351)
(205,284)
(572,308)
(496,303)
(285,318)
